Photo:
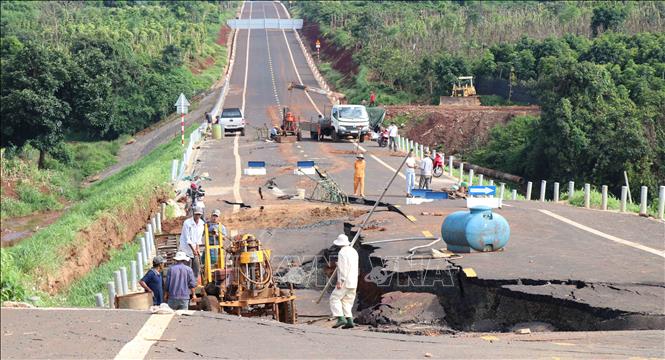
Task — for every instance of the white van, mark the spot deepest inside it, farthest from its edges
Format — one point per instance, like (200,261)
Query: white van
(232,119)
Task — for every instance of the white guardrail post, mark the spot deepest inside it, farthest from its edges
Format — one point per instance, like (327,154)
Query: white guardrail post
(661,202)
(587,195)
(529,187)
(555,196)
(643,200)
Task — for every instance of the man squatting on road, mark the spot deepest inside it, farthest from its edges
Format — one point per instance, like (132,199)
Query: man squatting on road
(344,295)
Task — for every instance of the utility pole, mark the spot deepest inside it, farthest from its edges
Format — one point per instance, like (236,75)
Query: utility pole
(182,106)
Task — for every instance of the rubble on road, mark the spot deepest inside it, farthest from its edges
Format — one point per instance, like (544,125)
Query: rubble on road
(400,308)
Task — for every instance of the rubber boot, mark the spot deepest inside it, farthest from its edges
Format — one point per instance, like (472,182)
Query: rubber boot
(340,322)
(349,323)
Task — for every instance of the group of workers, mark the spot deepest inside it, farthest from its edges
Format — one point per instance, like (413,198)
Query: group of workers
(182,277)
(425,166)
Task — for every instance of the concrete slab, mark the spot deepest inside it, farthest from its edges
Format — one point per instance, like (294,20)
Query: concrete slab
(67,333)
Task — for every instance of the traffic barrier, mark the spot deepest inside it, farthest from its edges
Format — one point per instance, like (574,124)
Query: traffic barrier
(529,186)
(603,204)
(587,195)
(305,168)
(543,188)
(255,168)
(624,196)
(643,200)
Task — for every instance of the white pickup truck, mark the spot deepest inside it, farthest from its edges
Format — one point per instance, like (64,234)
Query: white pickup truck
(342,122)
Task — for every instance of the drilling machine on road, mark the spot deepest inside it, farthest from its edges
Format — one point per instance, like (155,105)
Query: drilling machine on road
(244,285)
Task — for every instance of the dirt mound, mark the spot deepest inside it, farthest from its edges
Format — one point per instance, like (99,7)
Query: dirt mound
(275,216)
(285,216)
(458,128)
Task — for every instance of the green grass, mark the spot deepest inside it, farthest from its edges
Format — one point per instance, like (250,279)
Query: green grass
(43,252)
(47,189)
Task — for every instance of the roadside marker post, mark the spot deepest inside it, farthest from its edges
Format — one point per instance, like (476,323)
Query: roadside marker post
(501,192)
(513,195)
(110,286)
(182,105)
(571,190)
(118,283)
(450,165)
(461,171)
(661,203)
(603,204)
(480,179)
(492,184)
(587,195)
(99,300)
(470,177)
(132,273)
(123,279)
(624,197)
(555,198)
(543,188)
(139,263)
(144,250)
(529,186)
(643,200)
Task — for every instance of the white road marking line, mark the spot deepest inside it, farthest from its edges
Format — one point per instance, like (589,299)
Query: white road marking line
(295,68)
(244,89)
(236,180)
(382,162)
(153,329)
(272,73)
(602,234)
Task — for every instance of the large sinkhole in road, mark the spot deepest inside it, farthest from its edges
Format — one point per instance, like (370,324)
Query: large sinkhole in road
(469,304)
(421,300)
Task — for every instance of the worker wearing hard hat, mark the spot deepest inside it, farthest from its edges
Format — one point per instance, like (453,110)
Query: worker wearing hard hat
(359,176)
(344,295)
(191,238)
(180,283)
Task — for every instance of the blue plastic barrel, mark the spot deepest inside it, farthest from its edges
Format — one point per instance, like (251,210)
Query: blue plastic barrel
(478,229)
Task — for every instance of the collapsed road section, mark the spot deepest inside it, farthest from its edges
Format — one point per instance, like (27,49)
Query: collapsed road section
(526,285)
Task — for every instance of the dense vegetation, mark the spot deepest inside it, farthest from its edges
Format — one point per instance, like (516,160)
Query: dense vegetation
(96,70)
(27,189)
(596,68)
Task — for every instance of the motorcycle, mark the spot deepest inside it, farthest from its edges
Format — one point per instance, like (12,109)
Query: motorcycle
(437,166)
(195,193)
(383,138)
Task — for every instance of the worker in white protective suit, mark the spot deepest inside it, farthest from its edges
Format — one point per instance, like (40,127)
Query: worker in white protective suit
(344,295)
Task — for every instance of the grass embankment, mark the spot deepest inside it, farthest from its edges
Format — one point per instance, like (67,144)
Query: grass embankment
(27,189)
(24,265)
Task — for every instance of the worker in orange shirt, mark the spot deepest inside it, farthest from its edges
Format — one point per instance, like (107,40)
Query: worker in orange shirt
(359,176)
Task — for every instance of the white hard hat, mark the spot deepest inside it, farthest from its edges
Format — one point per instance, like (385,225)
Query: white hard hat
(342,240)
(198,210)
(181,256)
(216,212)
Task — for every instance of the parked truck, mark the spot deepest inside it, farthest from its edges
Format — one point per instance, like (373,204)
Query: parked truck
(343,121)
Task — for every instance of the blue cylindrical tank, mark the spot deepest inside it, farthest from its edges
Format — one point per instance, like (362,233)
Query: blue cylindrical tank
(478,229)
